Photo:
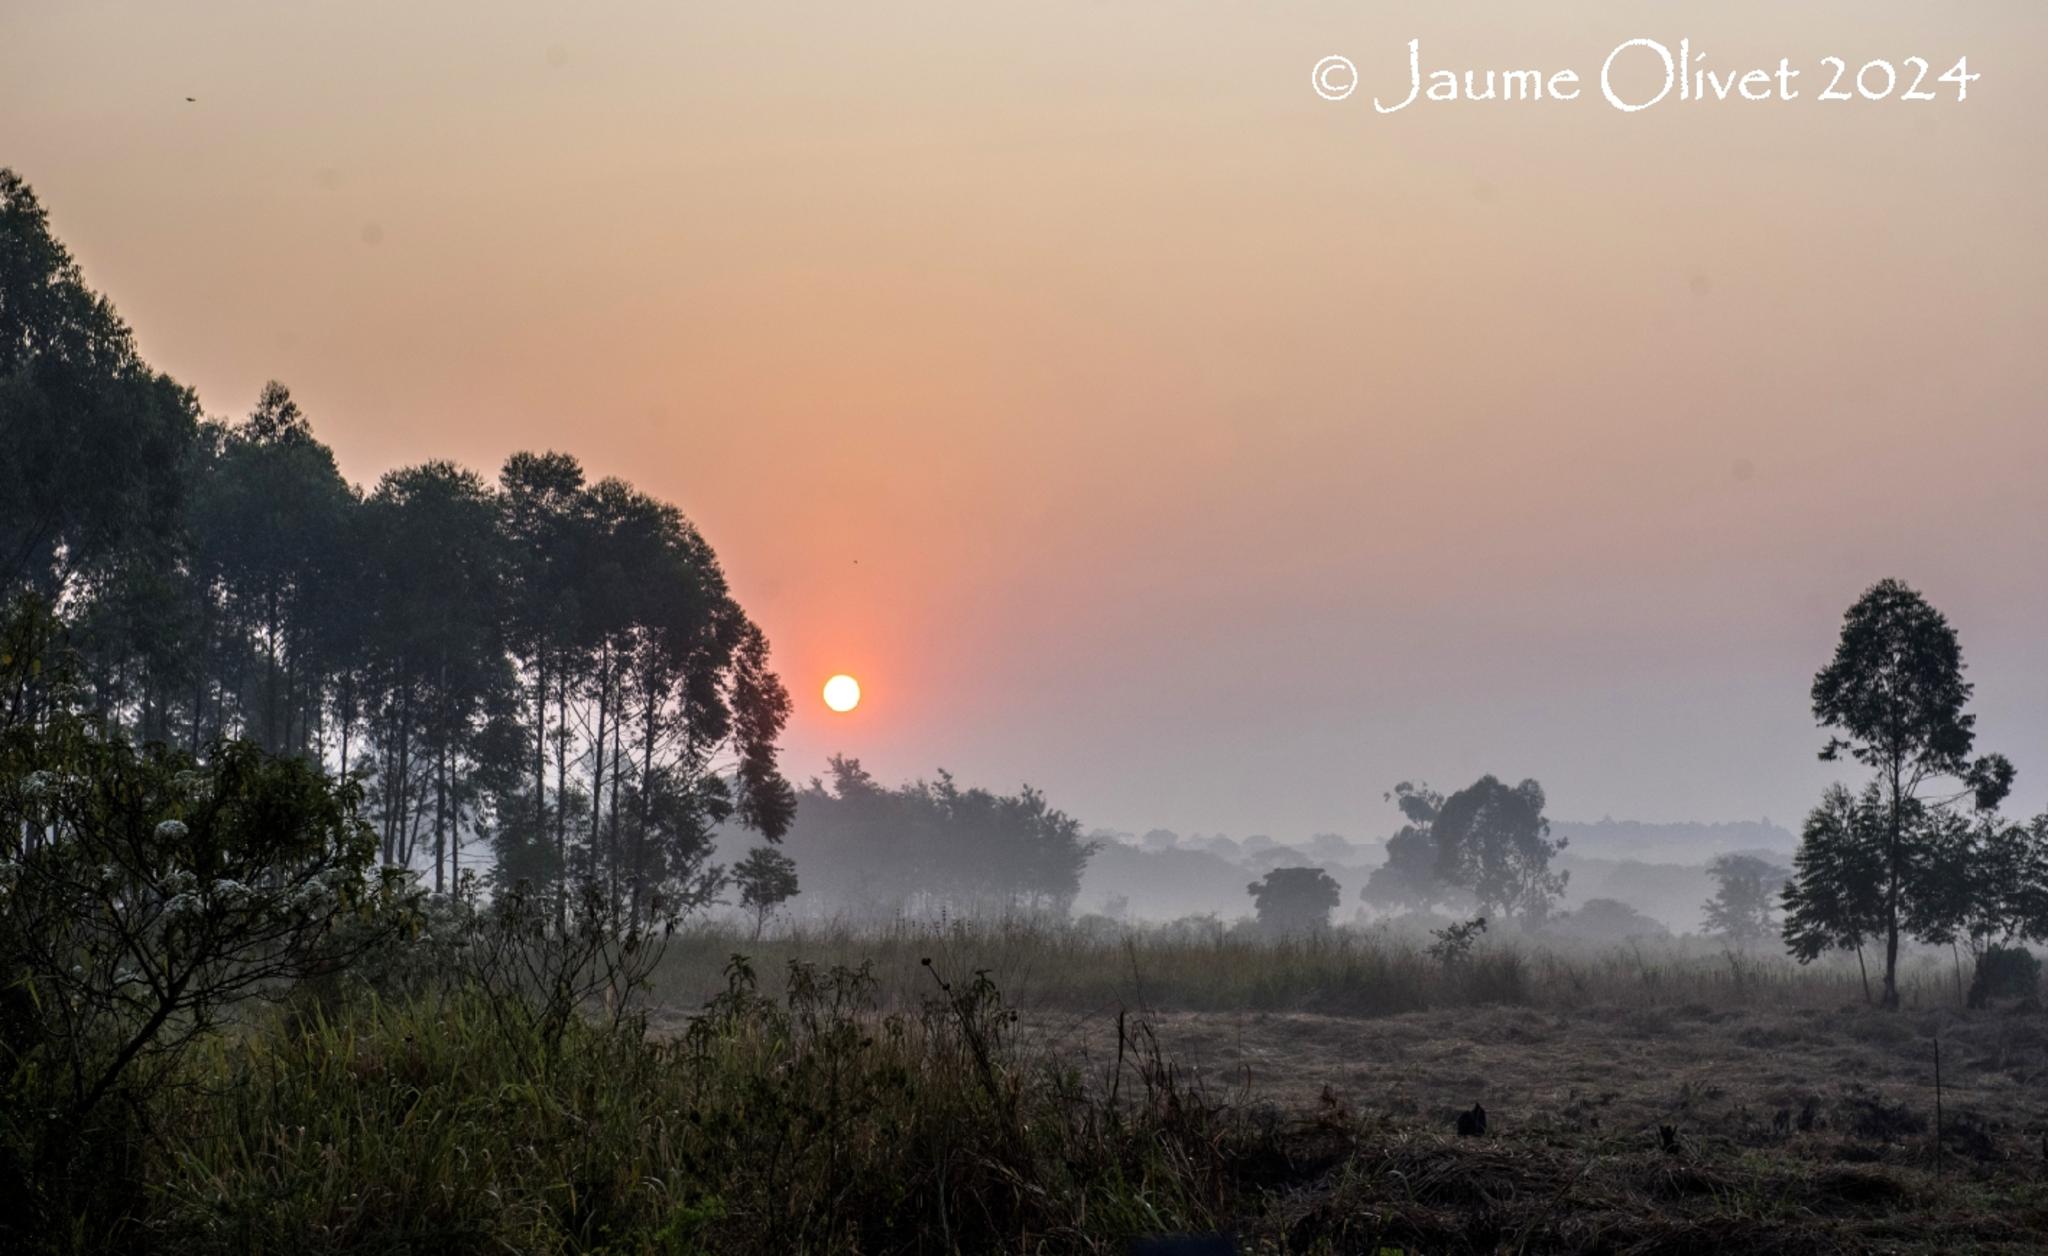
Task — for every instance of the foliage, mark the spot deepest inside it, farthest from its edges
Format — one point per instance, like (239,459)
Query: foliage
(2005,972)
(933,846)
(1409,879)
(145,894)
(766,879)
(1894,698)
(95,442)
(1454,942)
(550,667)
(1746,889)
(1493,840)
(1294,900)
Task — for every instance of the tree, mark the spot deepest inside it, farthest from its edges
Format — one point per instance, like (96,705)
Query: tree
(932,846)
(1493,841)
(1835,897)
(766,879)
(1746,889)
(1893,696)
(95,443)
(1409,880)
(1294,900)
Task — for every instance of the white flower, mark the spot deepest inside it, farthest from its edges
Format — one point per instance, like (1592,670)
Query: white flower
(171,831)
(39,784)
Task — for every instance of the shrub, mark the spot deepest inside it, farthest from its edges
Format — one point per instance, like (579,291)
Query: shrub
(2005,972)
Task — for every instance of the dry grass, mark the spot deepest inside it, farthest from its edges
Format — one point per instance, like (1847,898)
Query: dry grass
(1357,1052)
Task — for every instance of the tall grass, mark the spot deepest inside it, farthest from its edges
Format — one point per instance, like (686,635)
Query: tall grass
(809,1122)
(1340,972)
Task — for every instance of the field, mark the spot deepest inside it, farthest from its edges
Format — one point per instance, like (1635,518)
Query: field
(1360,1051)
(1009,1088)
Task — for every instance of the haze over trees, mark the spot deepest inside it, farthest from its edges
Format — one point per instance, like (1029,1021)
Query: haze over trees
(1294,900)
(931,846)
(1487,846)
(1746,890)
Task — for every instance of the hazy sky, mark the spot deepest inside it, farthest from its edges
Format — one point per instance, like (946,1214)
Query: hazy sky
(1130,420)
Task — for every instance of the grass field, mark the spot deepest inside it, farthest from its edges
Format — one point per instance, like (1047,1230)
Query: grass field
(838,1093)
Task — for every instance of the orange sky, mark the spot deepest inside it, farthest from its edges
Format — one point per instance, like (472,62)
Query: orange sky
(1128,419)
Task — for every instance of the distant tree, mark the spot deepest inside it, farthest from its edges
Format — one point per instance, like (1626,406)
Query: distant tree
(1294,900)
(1493,840)
(1894,695)
(935,846)
(766,879)
(1409,880)
(1746,890)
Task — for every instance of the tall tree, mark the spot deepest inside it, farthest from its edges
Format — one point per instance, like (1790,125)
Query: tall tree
(93,443)
(1893,697)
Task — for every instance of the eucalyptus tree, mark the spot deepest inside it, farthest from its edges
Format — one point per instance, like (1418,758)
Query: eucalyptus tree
(542,516)
(1893,697)
(436,652)
(269,525)
(1410,878)
(1493,841)
(93,443)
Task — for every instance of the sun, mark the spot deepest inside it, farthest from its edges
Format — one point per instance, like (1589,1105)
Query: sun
(842,693)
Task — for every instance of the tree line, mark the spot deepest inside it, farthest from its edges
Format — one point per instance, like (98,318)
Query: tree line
(546,664)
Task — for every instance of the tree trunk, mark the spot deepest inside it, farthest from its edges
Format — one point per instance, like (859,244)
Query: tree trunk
(1893,857)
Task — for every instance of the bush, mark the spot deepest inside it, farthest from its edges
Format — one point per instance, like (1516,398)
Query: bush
(144,894)
(2005,972)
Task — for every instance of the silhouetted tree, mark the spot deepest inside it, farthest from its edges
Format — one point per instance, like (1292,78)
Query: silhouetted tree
(554,664)
(1294,900)
(93,443)
(1894,693)
(766,879)
(1835,899)
(1409,880)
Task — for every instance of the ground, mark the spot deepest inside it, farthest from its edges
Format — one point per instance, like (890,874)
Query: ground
(1573,1157)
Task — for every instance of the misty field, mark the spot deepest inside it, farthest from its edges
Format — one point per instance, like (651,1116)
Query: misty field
(969,1088)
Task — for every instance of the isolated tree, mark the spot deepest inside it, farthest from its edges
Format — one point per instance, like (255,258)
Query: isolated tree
(1294,900)
(766,879)
(1746,890)
(1893,696)
(1493,841)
